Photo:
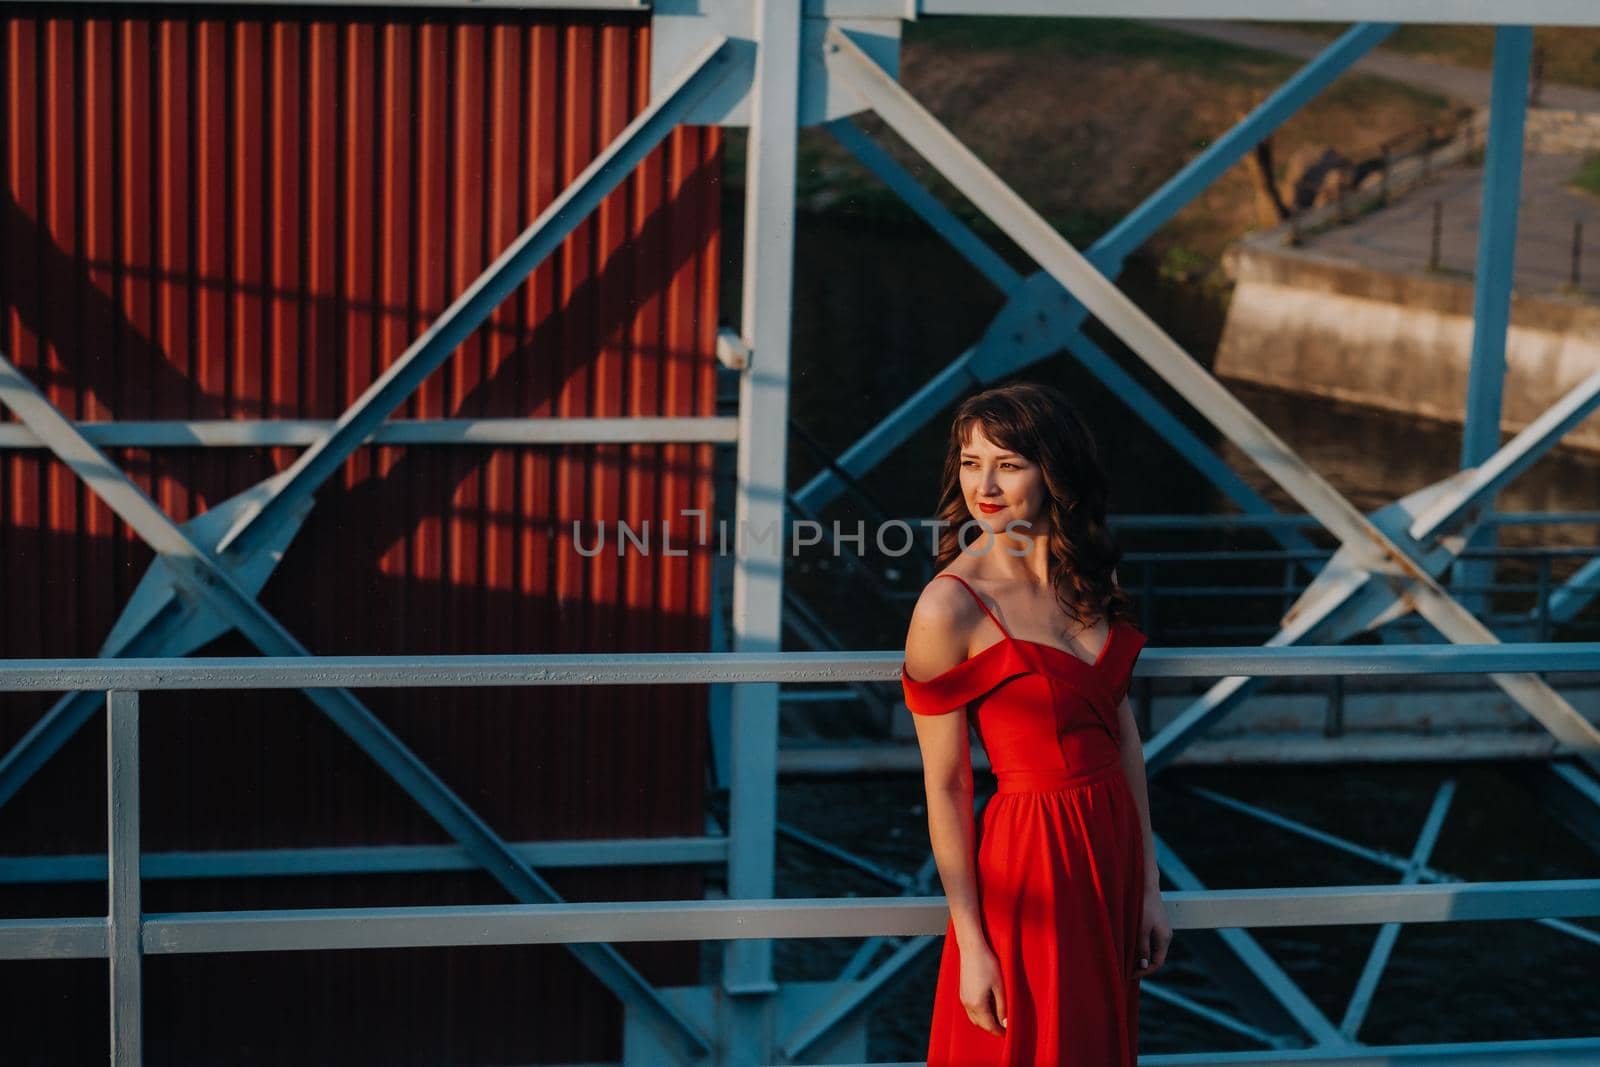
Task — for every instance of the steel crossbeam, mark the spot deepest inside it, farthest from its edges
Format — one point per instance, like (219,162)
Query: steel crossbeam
(1211,1015)
(1041,318)
(1379,856)
(854,995)
(201,579)
(1277,995)
(294,433)
(472,308)
(1040,310)
(1341,595)
(1380,567)
(207,580)
(1371,548)
(1383,944)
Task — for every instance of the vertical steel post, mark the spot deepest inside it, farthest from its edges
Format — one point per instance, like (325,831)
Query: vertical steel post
(122,854)
(1491,304)
(1541,606)
(759,512)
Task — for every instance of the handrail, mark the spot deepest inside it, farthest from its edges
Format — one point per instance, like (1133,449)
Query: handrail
(307,929)
(691,668)
(125,934)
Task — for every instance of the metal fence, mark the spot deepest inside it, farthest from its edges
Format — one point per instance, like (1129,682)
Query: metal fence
(126,933)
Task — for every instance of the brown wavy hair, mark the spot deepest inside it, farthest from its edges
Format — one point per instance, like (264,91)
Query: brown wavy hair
(1040,424)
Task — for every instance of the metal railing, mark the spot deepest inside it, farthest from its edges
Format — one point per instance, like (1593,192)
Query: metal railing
(126,933)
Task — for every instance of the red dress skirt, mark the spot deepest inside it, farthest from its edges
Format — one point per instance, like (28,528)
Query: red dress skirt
(1060,863)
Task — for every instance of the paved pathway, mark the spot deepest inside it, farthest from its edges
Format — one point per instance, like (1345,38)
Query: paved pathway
(1399,238)
(1461,83)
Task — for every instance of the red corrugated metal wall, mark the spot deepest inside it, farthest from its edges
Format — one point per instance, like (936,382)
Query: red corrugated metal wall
(249,213)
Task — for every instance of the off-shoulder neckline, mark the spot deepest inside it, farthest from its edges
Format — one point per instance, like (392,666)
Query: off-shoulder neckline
(1007,638)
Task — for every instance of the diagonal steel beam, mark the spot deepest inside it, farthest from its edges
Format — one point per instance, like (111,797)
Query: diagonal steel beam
(469,310)
(1424,517)
(201,578)
(1511,459)
(1107,253)
(1372,549)
(1383,945)
(1033,316)
(1209,1014)
(1282,989)
(1228,693)
(156,621)
(263,519)
(1375,855)
(850,998)
(854,994)
(988,262)
(1339,603)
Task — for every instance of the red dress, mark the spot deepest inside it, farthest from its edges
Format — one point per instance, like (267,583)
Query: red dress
(1060,855)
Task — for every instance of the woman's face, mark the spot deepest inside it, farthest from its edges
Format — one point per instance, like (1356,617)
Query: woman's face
(1001,486)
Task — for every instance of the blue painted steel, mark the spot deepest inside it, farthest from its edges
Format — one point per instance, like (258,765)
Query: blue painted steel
(1107,254)
(1367,544)
(1382,858)
(1149,987)
(206,581)
(1231,147)
(1317,612)
(719,699)
(1207,522)
(1277,984)
(1573,595)
(766,322)
(892,431)
(888,876)
(1383,945)
(473,307)
(1197,453)
(202,580)
(365,859)
(1491,301)
(944,221)
(266,522)
(851,997)
(155,622)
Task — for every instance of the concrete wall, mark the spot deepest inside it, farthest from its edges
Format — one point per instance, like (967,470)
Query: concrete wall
(1392,341)
(1562,132)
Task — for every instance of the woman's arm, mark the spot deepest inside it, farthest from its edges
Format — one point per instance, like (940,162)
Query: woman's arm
(947,777)
(936,642)
(1155,932)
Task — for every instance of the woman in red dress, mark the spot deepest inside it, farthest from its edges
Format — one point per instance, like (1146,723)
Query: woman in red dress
(1055,911)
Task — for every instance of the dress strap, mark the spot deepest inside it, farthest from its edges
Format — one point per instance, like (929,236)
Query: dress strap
(992,617)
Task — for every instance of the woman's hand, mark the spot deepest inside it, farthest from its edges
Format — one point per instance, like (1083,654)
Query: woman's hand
(982,993)
(1155,934)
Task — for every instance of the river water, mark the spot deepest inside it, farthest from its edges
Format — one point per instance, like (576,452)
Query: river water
(879,308)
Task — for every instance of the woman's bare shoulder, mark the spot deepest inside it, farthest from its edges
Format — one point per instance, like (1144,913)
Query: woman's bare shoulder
(941,628)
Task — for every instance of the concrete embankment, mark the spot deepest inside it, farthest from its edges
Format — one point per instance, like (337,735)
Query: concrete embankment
(1396,341)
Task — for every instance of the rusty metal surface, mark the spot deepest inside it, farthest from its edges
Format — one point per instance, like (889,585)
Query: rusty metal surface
(247,213)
